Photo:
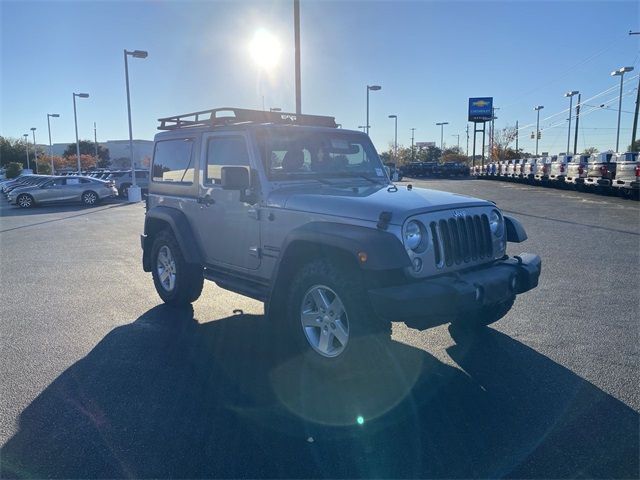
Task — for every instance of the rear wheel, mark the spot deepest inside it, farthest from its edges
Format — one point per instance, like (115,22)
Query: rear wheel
(90,198)
(176,281)
(25,201)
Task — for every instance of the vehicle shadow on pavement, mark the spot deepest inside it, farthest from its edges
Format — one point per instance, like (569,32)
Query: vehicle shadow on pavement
(8,210)
(167,396)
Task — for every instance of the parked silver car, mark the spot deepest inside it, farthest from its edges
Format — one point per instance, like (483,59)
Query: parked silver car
(63,189)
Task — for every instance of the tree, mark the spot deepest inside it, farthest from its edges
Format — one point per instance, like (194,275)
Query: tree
(13,169)
(13,150)
(590,151)
(501,140)
(87,147)
(454,157)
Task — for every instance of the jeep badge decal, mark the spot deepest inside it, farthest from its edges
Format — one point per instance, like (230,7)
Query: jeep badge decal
(459,213)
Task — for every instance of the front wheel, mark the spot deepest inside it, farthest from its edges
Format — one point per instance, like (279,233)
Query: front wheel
(176,281)
(328,318)
(90,198)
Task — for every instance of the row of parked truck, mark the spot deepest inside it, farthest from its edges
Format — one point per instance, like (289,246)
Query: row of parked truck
(606,172)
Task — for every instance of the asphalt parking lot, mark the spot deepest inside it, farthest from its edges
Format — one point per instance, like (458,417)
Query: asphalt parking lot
(98,379)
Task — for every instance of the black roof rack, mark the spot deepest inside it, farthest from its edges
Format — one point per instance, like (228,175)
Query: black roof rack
(241,115)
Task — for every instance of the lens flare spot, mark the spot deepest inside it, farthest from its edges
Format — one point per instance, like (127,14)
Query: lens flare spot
(360,420)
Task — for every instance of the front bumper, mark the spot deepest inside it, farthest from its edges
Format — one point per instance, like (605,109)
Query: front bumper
(435,301)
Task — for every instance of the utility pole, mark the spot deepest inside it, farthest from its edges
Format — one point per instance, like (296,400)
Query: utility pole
(95,141)
(635,116)
(296,29)
(467,131)
(517,135)
(575,139)
(493,117)
(413,156)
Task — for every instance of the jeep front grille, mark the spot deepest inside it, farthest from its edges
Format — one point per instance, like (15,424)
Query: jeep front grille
(461,240)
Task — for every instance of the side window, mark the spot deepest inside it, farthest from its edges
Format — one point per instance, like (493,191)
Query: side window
(140,174)
(57,182)
(85,180)
(73,181)
(172,161)
(223,152)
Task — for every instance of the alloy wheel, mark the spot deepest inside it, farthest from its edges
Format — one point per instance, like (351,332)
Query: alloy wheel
(324,321)
(166,268)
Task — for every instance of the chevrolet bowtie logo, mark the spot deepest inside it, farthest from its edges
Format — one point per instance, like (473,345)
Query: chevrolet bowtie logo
(480,103)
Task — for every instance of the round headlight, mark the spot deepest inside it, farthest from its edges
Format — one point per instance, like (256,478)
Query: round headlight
(413,235)
(495,223)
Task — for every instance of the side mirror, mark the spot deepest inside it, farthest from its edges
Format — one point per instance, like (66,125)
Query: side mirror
(235,178)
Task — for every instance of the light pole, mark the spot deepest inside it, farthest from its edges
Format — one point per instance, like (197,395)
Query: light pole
(413,155)
(570,95)
(75,118)
(457,135)
(374,88)
(35,148)
(620,72)
(395,141)
(537,109)
(49,115)
(26,144)
(441,125)
(134,191)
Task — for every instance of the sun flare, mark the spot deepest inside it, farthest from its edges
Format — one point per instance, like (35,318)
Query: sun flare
(265,49)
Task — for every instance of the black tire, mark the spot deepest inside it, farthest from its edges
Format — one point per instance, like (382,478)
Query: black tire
(90,198)
(368,335)
(25,200)
(187,278)
(486,316)
(124,190)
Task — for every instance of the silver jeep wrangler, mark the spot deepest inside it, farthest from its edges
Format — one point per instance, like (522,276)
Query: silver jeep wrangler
(292,211)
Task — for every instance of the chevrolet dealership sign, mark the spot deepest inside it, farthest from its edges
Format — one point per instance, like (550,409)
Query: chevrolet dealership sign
(480,109)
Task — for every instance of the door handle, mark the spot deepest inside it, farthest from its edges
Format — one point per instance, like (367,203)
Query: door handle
(206,200)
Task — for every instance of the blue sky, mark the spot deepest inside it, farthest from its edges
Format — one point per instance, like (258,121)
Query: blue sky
(429,57)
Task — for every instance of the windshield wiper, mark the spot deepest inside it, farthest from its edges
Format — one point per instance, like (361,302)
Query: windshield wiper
(360,175)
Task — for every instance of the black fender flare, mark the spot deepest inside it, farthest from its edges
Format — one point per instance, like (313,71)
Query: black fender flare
(181,229)
(515,230)
(382,250)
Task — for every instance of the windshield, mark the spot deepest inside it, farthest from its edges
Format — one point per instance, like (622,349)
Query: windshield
(303,153)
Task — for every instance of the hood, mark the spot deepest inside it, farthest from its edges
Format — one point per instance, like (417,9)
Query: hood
(367,202)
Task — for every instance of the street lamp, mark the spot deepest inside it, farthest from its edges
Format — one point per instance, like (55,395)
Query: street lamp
(374,88)
(26,144)
(537,109)
(75,118)
(35,149)
(395,141)
(134,190)
(50,115)
(570,95)
(412,149)
(442,124)
(276,109)
(620,72)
